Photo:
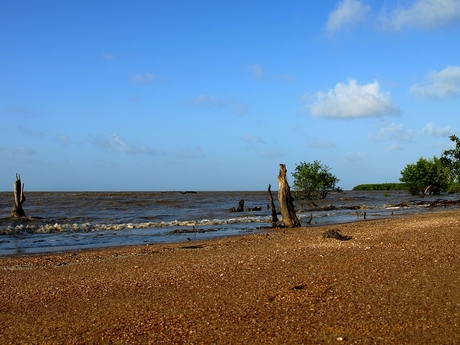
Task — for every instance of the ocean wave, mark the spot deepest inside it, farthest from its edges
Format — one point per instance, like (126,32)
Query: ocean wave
(41,226)
(88,227)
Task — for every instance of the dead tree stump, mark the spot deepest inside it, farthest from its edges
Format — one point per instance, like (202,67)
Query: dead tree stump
(240,207)
(290,219)
(19,198)
(272,205)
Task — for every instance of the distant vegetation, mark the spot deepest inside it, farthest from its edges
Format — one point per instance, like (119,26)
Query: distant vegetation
(427,176)
(381,186)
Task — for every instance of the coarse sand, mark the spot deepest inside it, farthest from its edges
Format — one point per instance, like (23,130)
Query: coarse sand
(397,281)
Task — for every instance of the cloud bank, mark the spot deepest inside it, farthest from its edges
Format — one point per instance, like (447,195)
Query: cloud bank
(347,14)
(442,132)
(352,100)
(392,132)
(421,14)
(443,84)
(424,14)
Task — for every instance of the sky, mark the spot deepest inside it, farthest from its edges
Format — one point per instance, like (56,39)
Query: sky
(214,95)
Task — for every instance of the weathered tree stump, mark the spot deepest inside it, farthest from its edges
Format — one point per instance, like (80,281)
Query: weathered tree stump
(19,198)
(290,219)
(272,205)
(240,207)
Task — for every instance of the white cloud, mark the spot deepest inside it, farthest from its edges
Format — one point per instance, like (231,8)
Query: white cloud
(287,78)
(238,108)
(21,112)
(272,154)
(202,100)
(443,84)
(392,132)
(115,143)
(321,144)
(18,154)
(108,56)
(352,100)
(258,73)
(431,129)
(394,147)
(31,132)
(356,157)
(252,139)
(191,154)
(346,14)
(134,98)
(146,78)
(17,151)
(101,163)
(425,14)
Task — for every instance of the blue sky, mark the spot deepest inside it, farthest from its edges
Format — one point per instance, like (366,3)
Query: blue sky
(214,95)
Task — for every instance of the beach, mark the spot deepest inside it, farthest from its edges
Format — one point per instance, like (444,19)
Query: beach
(396,281)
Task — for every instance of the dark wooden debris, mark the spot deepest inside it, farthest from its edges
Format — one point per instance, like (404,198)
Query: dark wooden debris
(337,235)
(240,207)
(272,205)
(19,198)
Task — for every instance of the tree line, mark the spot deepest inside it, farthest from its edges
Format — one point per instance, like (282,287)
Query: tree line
(426,176)
(381,186)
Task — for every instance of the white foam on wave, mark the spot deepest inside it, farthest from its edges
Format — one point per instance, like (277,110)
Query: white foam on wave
(87,227)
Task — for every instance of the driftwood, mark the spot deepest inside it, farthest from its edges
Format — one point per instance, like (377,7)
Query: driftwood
(427,190)
(337,235)
(272,205)
(290,219)
(440,202)
(240,207)
(435,203)
(19,198)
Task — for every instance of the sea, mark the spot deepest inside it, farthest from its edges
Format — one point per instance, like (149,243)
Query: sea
(69,221)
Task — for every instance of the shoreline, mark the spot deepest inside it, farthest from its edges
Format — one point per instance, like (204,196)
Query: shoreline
(19,251)
(396,281)
(67,222)
(260,230)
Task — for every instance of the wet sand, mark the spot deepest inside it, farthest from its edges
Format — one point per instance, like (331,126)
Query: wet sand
(397,281)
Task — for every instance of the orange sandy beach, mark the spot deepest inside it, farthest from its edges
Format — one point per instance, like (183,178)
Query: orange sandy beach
(397,281)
